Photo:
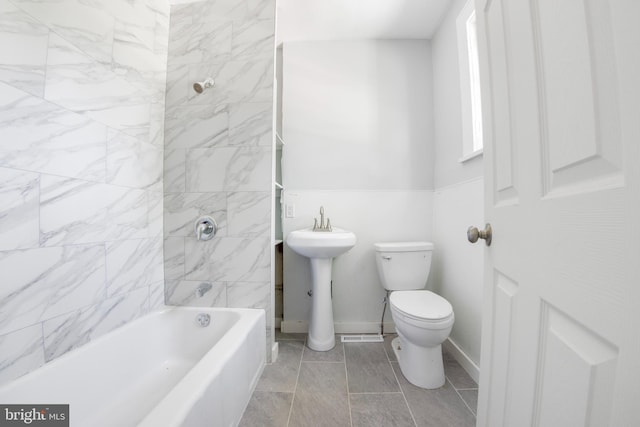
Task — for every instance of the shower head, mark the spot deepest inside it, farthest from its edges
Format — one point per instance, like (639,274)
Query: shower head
(201,86)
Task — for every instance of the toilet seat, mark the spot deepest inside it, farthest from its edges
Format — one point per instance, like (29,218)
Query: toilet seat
(422,305)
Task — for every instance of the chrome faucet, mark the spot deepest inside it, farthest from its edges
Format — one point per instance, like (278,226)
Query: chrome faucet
(322,226)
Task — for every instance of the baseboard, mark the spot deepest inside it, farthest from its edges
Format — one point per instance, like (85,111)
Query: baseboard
(302,327)
(363,327)
(294,327)
(461,357)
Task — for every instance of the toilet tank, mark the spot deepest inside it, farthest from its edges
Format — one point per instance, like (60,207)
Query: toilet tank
(403,265)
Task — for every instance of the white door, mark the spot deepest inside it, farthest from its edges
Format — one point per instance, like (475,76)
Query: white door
(561,319)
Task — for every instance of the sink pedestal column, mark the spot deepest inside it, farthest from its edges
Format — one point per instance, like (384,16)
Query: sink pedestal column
(321,332)
(321,248)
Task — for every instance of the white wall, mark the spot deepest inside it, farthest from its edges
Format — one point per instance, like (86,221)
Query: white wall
(447,111)
(458,201)
(358,115)
(458,265)
(357,121)
(374,216)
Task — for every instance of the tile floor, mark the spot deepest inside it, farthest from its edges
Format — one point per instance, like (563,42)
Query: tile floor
(353,385)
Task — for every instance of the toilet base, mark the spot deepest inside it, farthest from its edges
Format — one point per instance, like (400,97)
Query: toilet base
(421,366)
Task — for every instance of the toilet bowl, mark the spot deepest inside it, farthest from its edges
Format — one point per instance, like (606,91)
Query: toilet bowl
(423,319)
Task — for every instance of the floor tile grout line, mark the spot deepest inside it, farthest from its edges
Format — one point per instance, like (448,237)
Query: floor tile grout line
(385,349)
(346,372)
(390,362)
(403,395)
(295,388)
(378,392)
(461,398)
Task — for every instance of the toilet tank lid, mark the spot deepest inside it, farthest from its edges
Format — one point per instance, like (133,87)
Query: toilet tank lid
(403,246)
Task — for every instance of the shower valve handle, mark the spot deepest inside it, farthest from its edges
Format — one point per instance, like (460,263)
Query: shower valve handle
(206,228)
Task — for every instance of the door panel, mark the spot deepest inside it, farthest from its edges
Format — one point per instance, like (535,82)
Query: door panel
(505,298)
(505,191)
(576,374)
(580,123)
(561,110)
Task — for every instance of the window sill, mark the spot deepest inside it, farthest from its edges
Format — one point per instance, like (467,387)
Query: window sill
(470,156)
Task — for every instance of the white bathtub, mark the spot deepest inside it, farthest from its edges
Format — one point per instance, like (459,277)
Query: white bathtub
(161,370)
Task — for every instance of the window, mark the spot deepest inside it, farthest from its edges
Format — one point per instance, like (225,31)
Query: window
(469,83)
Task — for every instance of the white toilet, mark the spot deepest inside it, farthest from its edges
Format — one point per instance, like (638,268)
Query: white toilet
(423,319)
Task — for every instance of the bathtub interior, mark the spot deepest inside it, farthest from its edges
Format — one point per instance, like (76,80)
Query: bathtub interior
(121,377)
(221,388)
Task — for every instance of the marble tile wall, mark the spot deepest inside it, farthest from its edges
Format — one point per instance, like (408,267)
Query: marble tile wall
(218,154)
(82,92)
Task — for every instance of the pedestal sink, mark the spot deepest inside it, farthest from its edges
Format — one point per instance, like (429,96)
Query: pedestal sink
(321,247)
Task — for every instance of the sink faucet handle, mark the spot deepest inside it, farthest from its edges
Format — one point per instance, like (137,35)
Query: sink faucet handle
(322,226)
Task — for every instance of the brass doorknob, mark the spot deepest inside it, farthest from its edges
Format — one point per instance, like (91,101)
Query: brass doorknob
(473,234)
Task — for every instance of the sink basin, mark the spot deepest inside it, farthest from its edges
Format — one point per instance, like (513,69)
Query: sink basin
(321,244)
(321,247)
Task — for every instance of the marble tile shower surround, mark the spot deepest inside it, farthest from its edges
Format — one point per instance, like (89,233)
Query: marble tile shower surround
(82,101)
(218,153)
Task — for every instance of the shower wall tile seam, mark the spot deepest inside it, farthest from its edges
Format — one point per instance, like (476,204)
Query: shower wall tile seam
(61,315)
(46,174)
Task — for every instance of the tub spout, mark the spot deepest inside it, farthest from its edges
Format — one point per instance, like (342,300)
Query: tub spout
(203,289)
